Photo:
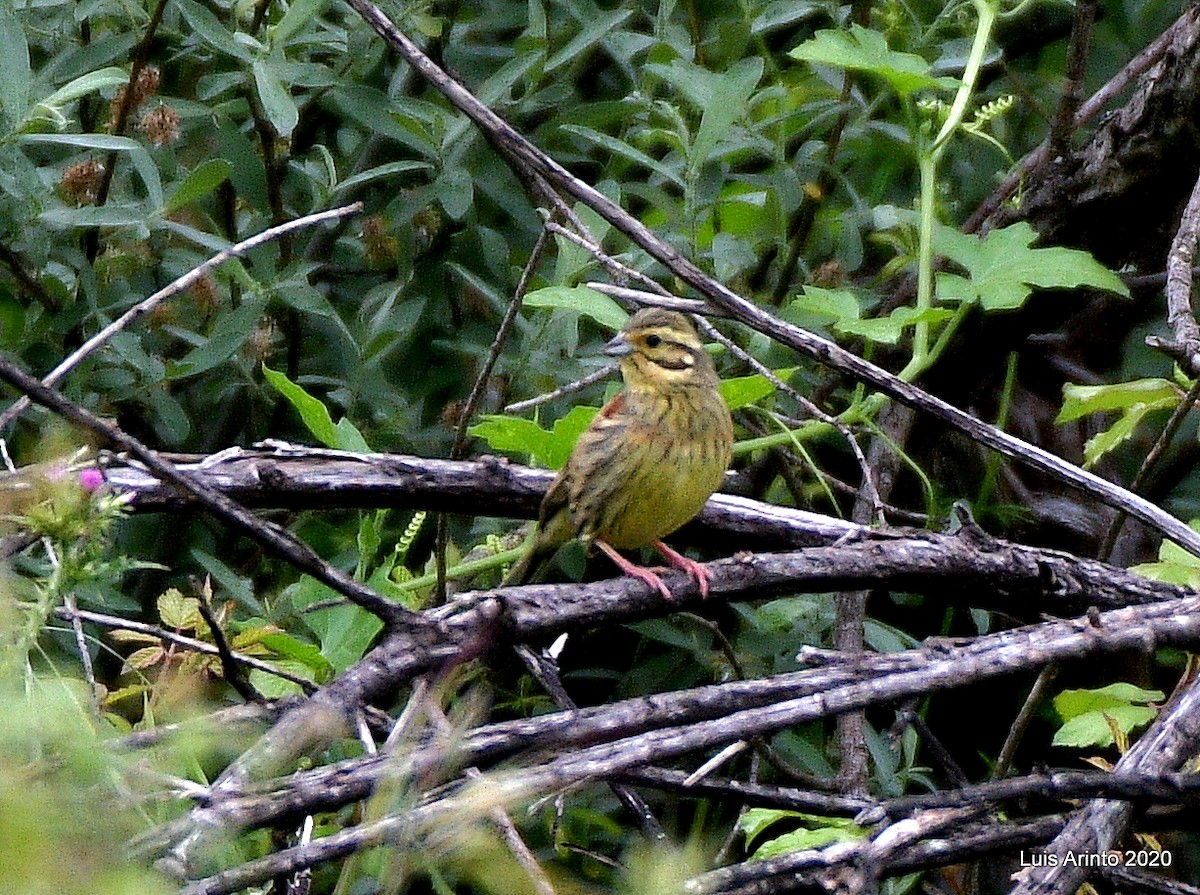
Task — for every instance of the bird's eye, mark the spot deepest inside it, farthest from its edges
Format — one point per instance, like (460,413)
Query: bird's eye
(653,341)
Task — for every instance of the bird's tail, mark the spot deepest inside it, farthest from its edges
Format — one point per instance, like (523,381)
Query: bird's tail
(533,561)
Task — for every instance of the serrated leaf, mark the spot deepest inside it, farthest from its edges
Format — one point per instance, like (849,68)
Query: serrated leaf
(141,659)
(180,612)
(861,49)
(524,437)
(1084,400)
(826,306)
(1122,430)
(888,330)
(1004,268)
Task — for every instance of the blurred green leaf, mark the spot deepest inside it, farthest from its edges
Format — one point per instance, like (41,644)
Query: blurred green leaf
(582,300)
(342,436)
(861,49)
(526,438)
(205,178)
(742,390)
(15,73)
(275,97)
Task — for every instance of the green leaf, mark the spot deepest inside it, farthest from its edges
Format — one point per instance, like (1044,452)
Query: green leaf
(345,632)
(49,108)
(276,99)
(202,181)
(235,585)
(571,259)
(1175,565)
(591,33)
(288,647)
(803,839)
(1003,268)
(742,390)
(111,215)
(230,333)
(138,155)
(388,170)
(825,307)
(818,832)
(1072,703)
(299,14)
(888,330)
(861,49)
(1092,728)
(729,102)
(271,686)
(1088,713)
(526,438)
(1133,399)
(755,820)
(209,27)
(582,300)
(343,436)
(1083,400)
(15,73)
(456,191)
(620,148)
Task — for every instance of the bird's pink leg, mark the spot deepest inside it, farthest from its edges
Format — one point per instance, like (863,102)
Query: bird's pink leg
(694,569)
(633,570)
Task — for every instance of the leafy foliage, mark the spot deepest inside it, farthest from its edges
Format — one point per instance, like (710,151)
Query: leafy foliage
(770,141)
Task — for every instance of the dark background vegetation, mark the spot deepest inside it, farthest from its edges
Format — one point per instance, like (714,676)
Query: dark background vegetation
(250,114)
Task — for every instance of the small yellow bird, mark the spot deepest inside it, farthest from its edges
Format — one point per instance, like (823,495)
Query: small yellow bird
(649,460)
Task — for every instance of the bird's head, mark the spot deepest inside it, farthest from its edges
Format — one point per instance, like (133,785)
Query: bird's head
(660,351)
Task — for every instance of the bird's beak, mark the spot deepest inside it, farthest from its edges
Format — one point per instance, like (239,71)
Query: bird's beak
(619,346)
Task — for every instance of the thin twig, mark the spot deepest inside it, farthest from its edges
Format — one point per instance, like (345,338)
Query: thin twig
(172,289)
(1036,694)
(231,668)
(524,154)
(118,624)
(275,538)
(1066,118)
(1136,67)
(571,388)
(459,448)
(1182,409)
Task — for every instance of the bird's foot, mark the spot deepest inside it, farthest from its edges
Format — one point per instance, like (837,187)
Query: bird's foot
(633,570)
(695,570)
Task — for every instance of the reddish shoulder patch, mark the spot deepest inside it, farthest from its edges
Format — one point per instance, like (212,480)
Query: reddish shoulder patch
(616,405)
